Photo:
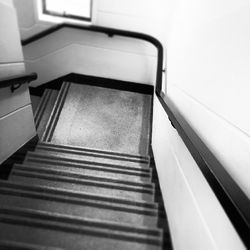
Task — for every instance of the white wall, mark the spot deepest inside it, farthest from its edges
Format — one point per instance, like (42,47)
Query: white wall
(11,56)
(208,59)
(129,60)
(196,218)
(15,109)
(137,15)
(89,53)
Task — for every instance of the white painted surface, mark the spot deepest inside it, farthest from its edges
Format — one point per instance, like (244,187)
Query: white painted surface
(196,219)
(68,51)
(10,69)
(129,59)
(27,14)
(15,130)
(228,143)
(208,59)
(137,15)
(16,118)
(10,47)
(145,16)
(12,101)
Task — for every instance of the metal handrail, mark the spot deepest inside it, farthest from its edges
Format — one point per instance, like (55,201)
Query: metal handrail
(14,82)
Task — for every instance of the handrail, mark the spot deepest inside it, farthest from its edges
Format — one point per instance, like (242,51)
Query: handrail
(14,82)
(230,195)
(110,32)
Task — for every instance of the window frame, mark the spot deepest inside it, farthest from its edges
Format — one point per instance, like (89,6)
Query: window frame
(69,16)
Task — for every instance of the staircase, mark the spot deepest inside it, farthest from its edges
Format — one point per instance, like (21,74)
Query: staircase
(90,181)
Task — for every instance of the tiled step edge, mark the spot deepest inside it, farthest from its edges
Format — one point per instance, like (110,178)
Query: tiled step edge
(66,195)
(12,245)
(92,152)
(41,107)
(71,174)
(72,180)
(70,161)
(78,225)
(51,124)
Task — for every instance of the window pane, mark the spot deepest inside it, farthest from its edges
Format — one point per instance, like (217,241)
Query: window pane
(70,7)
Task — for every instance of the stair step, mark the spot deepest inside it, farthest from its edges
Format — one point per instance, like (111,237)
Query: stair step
(92,155)
(71,232)
(44,110)
(43,155)
(77,149)
(80,195)
(55,112)
(108,171)
(77,204)
(80,176)
(12,245)
(73,183)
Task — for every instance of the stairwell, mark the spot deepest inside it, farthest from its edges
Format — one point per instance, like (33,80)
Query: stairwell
(90,181)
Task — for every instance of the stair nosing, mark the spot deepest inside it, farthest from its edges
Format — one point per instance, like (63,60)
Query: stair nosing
(27,174)
(49,163)
(76,161)
(81,195)
(25,246)
(51,124)
(80,175)
(92,150)
(74,201)
(41,104)
(76,223)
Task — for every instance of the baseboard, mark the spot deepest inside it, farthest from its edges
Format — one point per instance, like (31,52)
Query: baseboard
(95,81)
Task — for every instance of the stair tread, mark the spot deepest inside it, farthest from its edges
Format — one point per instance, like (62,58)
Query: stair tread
(81,149)
(91,170)
(82,176)
(74,232)
(78,195)
(90,157)
(92,210)
(80,185)
(67,158)
(55,112)
(12,245)
(44,109)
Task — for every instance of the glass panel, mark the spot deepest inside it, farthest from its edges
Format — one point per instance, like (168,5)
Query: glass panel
(79,8)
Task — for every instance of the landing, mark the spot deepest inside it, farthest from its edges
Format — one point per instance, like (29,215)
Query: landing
(105,118)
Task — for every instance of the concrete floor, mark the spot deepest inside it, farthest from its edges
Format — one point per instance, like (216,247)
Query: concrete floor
(103,118)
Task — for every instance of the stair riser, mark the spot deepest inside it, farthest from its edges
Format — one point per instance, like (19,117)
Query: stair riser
(43,225)
(12,245)
(80,176)
(64,238)
(90,187)
(85,209)
(78,196)
(84,167)
(83,150)
(41,126)
(99,172)
(69,160)
(91,158)
(54,116)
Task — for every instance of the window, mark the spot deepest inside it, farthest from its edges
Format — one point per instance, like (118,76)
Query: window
(74,9)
